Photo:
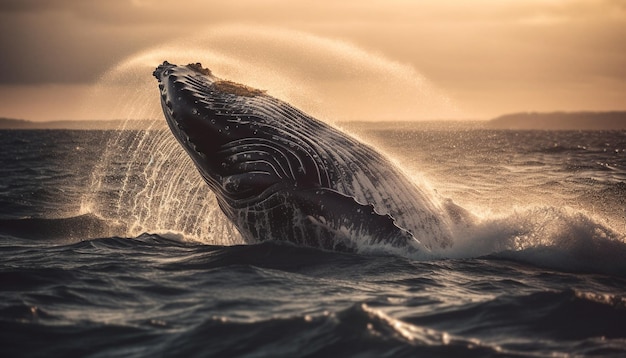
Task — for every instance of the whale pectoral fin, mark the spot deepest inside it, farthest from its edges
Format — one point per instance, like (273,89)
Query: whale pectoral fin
(351,221)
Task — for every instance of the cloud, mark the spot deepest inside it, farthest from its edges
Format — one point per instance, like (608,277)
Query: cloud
(472,49)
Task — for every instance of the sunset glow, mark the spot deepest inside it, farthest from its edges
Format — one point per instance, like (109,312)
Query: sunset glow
(339,60)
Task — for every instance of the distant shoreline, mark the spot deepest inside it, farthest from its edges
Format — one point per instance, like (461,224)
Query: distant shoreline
(112,124)
(614,120)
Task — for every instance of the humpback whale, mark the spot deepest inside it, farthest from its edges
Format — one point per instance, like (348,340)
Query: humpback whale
(280,174)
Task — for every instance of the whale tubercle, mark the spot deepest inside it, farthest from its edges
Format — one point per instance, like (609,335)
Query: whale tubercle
(198,68)
(237,89)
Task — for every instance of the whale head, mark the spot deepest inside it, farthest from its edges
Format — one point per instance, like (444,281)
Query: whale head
(212,119)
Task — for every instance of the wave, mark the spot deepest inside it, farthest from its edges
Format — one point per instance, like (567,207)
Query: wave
(563,239)
(549,237)
(566,315)
(165,296)
(358,329)
(75,228)
(466,330)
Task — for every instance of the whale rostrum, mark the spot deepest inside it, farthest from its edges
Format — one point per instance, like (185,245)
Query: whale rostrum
(280,174)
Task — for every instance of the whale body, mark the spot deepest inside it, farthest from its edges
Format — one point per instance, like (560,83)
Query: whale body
(280,174)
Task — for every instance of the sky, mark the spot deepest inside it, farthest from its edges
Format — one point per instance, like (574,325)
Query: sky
(346,60)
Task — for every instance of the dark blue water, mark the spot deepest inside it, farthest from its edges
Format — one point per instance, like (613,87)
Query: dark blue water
(543,272)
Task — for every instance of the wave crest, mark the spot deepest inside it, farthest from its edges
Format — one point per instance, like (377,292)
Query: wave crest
(558,238)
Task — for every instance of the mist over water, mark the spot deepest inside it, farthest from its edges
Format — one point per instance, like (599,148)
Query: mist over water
(161,191)
(327,78)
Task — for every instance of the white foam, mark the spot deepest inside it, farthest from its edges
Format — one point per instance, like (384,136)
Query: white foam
(561,238)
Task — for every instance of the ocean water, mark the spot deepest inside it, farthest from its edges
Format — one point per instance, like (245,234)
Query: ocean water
(110,245)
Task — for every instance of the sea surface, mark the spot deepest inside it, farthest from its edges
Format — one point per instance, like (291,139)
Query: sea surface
(111,245)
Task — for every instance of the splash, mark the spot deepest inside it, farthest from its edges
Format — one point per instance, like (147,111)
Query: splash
(147,183)
(158,190)
(327,78)
(555,237)
(155,185)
